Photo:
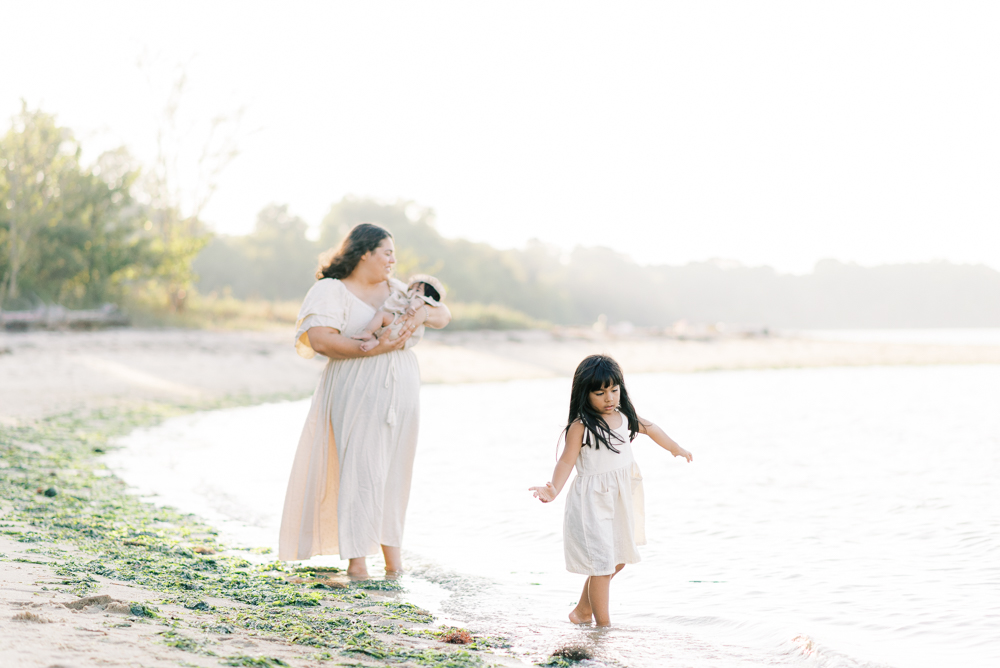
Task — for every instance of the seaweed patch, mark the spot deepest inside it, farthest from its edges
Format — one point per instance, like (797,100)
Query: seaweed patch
(103,532)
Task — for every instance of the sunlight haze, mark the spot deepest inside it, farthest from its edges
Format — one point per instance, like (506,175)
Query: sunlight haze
(766,133)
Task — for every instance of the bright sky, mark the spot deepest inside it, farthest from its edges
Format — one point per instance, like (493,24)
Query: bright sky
(772,133)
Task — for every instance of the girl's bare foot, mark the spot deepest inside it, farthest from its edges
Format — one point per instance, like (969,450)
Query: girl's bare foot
(577,616)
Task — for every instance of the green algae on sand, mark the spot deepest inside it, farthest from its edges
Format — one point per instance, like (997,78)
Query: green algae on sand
(94,529)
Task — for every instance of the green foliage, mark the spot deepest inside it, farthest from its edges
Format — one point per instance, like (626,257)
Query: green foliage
(69,234)
(493,316)
(529,281)
(488,288)
(81,235)
(276,261)
(177,240)
(215,311)
(538,284)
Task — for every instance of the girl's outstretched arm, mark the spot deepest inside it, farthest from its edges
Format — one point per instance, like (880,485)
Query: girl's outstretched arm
(661,439)
(574,441)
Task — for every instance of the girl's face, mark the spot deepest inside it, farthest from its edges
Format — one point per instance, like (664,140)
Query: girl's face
(378,263)
(605,400)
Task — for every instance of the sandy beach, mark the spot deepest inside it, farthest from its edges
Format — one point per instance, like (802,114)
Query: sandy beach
(48,373)
(42,373)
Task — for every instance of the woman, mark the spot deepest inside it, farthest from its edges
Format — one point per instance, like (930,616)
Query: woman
(350,480)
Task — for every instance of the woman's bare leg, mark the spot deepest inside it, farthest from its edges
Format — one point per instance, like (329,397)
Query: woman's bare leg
(393,560)
(357,567)
(589,606)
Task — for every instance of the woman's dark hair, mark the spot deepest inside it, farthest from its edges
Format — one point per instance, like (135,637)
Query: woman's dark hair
(344,258)
(594,373)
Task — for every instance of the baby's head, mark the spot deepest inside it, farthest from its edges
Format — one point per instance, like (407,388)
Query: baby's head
(422,285)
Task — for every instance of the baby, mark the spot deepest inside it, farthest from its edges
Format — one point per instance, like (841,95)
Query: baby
(398,310)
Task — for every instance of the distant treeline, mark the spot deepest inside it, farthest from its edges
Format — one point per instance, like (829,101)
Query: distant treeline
(277,261)
(81,235)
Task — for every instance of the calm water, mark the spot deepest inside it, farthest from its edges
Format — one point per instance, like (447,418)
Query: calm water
(832,517)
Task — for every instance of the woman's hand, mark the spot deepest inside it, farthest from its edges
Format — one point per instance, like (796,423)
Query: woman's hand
(545,494)
(388,346)
(684,453)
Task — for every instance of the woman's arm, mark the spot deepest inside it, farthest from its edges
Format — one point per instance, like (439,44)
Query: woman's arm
(574,442)
(331,343)
(437,316)
(661,439)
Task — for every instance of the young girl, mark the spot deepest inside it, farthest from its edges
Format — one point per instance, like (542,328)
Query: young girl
(604,518)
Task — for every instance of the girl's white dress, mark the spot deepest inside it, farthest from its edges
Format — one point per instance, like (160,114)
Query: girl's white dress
(350,480)
(604,520)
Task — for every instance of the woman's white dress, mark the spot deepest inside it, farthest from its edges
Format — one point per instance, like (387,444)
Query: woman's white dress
(604,520)
(350,480)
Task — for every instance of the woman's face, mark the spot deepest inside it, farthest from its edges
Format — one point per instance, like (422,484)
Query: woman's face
(377,264)
(605,400)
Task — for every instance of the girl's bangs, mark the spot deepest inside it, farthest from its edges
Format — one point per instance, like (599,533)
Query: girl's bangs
(604,376)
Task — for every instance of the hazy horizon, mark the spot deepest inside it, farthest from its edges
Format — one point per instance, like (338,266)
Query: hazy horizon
(771,134)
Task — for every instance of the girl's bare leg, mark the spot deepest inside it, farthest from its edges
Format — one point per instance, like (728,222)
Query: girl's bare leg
(600,598)
(357,567)
(393,560)
(594,600)
(583,613)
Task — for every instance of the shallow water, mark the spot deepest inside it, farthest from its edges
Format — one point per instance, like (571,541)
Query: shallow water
(832,517)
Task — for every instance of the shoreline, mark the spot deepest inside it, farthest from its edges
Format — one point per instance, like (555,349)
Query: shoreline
(46,373)
(64,394)
(93,575)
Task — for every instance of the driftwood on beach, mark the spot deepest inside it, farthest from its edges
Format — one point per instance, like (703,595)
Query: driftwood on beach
(59,317)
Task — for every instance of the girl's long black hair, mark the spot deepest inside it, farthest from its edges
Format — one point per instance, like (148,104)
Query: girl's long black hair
(595,373)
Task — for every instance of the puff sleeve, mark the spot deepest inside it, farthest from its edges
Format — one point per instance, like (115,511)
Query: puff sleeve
(326,305)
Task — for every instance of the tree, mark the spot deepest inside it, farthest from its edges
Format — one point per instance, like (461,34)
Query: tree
(38,159)
(68,234)
(275,261)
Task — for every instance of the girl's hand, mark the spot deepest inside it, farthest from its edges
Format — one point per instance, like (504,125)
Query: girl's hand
(684,453)
(544,494)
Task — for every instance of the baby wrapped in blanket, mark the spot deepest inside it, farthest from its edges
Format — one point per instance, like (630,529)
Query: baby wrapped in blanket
(398,311)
